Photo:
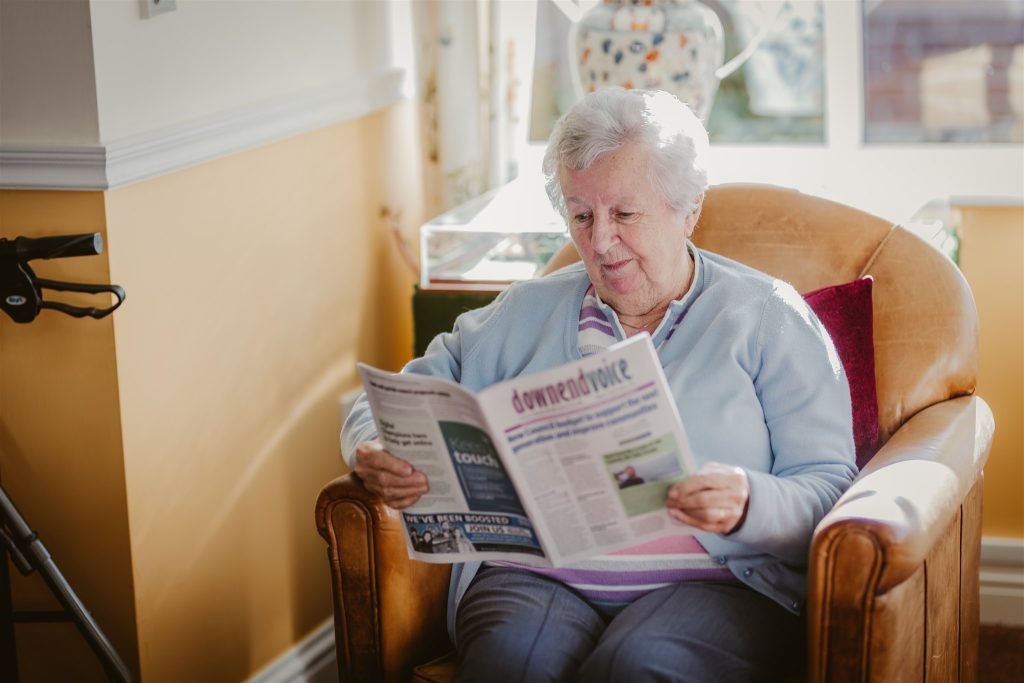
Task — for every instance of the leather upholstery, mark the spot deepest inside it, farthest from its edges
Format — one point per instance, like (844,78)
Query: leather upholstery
(389,612)
(893,568)
(893,573)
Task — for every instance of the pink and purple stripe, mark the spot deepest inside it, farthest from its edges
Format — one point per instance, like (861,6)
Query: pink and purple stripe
(626,575)
(622,577)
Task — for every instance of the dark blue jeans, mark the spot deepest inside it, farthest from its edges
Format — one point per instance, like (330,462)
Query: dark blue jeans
(513,625)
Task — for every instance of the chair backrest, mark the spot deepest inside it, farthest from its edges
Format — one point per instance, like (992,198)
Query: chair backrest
(925,321)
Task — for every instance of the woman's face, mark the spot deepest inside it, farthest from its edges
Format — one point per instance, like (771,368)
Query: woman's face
(633,244)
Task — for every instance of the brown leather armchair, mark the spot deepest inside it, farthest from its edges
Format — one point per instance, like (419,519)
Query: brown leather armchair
(893,568)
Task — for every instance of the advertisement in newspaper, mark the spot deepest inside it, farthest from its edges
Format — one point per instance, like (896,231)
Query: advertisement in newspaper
(545,469)
(472,509)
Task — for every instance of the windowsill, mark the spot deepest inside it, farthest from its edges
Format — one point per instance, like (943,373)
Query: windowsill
(890,181)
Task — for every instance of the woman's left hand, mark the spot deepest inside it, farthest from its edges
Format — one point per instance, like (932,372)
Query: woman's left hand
(712,499)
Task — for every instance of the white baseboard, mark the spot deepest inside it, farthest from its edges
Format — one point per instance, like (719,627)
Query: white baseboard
(1002,581)
(313,660)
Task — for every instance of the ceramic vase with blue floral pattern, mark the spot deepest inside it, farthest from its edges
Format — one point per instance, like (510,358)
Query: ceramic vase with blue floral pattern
(673,45)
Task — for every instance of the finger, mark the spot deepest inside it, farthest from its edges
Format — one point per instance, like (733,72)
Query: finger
(701,482)
(377,469)
(716,479)
(682,517)
(726,517)
(715,466)
(698,521)
(381,482)
(710,506)
(694,503)
(392,496)
(403,503)
(387,478)
(688,486)
(390,485)
(395,492)
(714,514)
(371,454)
(720,524)
(712,476)
(708,498)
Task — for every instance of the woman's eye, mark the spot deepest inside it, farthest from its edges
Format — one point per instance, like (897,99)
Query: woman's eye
(627,215)
(581,217)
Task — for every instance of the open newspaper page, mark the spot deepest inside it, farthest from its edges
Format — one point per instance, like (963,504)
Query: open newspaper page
(472,511)
(593,448)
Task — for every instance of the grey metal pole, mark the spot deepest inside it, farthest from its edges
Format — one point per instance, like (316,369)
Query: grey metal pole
(33,553)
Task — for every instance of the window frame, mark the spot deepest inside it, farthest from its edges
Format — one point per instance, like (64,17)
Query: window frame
(891,180)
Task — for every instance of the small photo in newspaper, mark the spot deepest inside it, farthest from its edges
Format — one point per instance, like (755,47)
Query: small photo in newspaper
(471,532)
(643,473)
(440,537)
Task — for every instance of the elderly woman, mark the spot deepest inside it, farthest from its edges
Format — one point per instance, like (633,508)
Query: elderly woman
(759,387)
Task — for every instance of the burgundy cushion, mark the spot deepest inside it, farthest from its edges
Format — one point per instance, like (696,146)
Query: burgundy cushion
(845,311)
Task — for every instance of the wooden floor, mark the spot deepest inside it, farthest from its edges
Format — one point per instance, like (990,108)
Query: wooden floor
(1001,655)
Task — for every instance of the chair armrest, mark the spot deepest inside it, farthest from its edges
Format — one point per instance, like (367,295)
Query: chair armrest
(907,494)
(890,521)
(389,611)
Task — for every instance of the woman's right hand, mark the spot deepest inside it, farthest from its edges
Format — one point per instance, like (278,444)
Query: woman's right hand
(397,483)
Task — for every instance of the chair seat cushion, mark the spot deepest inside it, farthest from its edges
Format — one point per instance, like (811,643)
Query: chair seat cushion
(439,670)
(846,312)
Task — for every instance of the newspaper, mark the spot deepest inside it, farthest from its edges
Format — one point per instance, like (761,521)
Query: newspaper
(544,469)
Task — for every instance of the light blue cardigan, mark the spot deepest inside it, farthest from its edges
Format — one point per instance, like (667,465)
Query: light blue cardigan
(756,378)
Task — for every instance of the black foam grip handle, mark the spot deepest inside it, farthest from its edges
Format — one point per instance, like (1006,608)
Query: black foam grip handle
(58,246)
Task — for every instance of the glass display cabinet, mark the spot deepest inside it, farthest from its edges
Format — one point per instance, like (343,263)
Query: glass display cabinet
(502,236)
(474,251)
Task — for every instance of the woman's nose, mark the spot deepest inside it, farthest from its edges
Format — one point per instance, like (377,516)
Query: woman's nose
(603,235)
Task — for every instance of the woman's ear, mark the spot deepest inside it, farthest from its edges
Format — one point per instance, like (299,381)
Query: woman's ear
(691,218)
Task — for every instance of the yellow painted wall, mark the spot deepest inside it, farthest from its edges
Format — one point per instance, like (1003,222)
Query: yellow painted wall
(254,284)
(992,260)
(61,458)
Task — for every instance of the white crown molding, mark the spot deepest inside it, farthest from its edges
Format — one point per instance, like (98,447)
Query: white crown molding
(41,167)
(129,160)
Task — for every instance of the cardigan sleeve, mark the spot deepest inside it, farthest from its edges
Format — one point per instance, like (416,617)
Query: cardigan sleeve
(805,397)
(443,358)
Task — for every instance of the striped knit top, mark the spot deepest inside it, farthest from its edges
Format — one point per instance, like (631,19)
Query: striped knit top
(611,581)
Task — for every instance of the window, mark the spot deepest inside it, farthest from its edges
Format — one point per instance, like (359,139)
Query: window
(849,132)
(890,176)
(776,94)
(949,71)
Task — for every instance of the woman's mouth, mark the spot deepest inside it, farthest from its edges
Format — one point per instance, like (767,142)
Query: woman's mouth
(616,266)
